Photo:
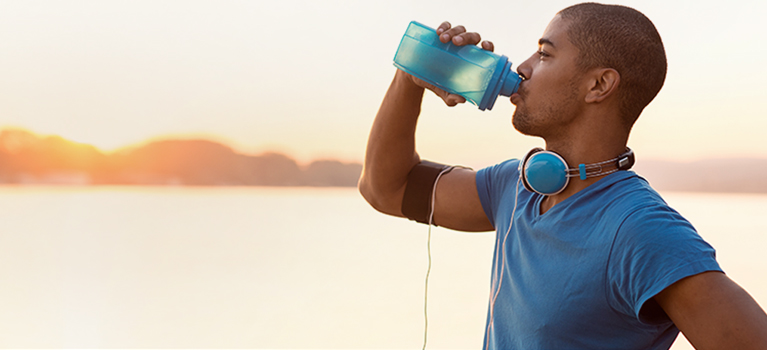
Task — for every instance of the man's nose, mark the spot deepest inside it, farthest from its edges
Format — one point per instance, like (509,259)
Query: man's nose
(526,68)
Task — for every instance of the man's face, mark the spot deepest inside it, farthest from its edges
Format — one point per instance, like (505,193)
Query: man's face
(549,97)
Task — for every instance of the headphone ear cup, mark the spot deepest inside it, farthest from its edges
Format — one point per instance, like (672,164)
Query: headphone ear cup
(523,165)
(545,172)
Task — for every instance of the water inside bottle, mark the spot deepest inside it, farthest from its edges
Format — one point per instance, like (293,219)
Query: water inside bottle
(467,72)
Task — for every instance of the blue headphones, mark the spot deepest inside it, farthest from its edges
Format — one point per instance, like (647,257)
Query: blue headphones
(547,173)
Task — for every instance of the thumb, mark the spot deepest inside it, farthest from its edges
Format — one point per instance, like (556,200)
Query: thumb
(450,99)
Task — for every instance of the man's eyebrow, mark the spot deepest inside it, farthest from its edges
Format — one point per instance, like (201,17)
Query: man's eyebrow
(542,41)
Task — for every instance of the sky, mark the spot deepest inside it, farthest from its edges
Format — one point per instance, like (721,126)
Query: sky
(306,77)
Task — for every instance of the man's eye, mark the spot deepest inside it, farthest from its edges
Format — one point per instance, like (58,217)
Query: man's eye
(542,54)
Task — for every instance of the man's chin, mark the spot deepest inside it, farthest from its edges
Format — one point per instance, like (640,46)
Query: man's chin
(521,123)
(518,120)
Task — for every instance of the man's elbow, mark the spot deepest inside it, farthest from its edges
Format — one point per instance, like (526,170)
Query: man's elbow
(383,201)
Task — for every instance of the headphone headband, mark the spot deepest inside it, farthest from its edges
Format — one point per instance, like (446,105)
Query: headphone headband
(626,160)
(547,173)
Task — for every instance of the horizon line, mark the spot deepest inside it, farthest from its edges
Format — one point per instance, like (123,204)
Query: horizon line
(301,161)
(176,137)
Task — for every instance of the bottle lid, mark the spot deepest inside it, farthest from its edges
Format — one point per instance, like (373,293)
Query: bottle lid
(504,82)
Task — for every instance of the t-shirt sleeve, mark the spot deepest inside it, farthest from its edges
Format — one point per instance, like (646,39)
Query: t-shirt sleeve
(492,184)
(654,248)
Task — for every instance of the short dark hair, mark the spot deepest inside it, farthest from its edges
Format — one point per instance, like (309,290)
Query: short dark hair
(622,38)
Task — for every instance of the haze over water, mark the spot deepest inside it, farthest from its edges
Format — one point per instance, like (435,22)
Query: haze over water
(268,268)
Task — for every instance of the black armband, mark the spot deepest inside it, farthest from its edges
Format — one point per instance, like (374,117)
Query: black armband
(416,203)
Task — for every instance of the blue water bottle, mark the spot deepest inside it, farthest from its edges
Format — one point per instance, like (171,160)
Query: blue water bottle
(476,74)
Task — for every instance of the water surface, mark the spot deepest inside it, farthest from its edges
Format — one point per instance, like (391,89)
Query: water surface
(268,268)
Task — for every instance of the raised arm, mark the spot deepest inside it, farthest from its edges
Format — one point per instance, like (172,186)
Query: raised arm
(391,153)
(714,312)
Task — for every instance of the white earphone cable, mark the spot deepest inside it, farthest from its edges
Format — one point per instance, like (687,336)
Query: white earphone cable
(501,257)
(428,253)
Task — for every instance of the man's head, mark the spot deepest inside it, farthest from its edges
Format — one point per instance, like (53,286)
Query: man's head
(590,53)
(619,37)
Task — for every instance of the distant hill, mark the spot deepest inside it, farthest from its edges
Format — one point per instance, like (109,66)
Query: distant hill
(26,158)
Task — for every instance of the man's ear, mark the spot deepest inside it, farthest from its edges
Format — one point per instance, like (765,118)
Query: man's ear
(604,83)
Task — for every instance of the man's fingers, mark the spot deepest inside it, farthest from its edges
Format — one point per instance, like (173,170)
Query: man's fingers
(488,45)
(457,35)
(471,38)
(443,27)
(456,30)
(448,34)
(450,99)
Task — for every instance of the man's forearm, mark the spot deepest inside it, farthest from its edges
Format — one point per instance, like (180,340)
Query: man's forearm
(390,150)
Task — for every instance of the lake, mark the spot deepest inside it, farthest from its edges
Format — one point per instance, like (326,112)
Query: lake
(260,267)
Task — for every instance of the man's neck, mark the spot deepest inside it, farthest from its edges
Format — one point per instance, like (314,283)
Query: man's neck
(586,153)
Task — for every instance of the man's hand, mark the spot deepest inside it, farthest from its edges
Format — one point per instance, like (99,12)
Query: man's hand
(459,37)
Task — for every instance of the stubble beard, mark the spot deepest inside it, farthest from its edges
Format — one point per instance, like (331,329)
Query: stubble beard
(532,124)
(548,117)
(521,121)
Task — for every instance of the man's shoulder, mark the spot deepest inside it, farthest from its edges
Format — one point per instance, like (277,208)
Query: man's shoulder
(632,192)
(628,205)
(644,215)
(503,170)
(620,194)
(496,178)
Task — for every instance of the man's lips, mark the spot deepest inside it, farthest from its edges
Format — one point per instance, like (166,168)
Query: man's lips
(514,98)
(517,96)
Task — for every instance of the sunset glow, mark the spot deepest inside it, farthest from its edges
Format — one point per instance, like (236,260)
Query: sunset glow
(306,78)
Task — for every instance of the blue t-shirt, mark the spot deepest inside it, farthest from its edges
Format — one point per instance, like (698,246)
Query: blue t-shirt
(582,275)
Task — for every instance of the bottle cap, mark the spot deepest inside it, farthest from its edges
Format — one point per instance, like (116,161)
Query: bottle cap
(504,82)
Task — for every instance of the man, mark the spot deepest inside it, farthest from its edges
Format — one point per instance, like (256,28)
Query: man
(602,262)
